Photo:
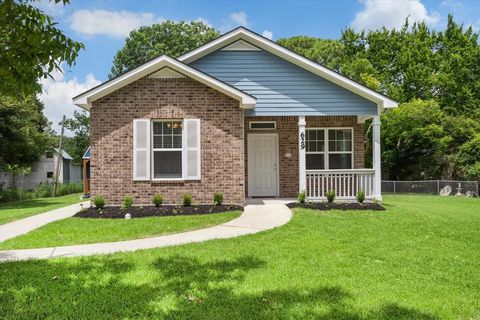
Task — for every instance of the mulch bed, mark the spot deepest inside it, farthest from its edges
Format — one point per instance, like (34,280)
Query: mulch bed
(114,212)
(337,206)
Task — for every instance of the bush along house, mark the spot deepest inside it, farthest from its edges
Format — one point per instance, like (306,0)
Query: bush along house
(240,115)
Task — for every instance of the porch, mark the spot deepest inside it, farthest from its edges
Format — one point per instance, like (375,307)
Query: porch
(345,182)
(315,154)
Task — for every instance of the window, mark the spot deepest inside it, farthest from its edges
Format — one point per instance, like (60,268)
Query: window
(49,154)
(167,149)
(263,125)
(49,175)
(329,149)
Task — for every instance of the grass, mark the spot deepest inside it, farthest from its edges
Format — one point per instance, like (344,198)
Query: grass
(15,210)
(420,259)
(88,230)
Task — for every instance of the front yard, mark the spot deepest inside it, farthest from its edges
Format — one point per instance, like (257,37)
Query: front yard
(15,210)
(420,259)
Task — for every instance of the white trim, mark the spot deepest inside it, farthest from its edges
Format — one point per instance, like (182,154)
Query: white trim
(240,45)
(377,185)
(85,99)
(241,33)
(166,73)
(152,150)
(302,155)
(253,122)
(326,151)
(277,154)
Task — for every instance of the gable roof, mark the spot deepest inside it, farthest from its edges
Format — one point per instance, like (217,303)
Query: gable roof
(85,99)
(259,41)
(65,154)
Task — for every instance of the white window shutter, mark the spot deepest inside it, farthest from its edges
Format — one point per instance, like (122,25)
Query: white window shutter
(141,149)
(191,149)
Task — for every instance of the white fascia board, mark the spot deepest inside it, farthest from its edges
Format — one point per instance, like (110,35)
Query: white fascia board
(382,101)
(85,100)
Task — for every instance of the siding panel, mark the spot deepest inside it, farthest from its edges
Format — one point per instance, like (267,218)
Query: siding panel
(282,88)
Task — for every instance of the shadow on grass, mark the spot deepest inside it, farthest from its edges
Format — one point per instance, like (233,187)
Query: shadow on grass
(172,287)
(33,203)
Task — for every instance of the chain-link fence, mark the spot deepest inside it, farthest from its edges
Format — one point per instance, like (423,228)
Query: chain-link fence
(443,187)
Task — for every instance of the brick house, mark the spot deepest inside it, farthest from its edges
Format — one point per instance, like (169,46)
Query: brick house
(240,115)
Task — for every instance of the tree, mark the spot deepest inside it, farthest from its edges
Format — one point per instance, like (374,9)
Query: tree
(80,126)
(24,133)
(330,53)
(169,37)
(31,47)
(459,70)
(413,141)
(468,158)
(333,55)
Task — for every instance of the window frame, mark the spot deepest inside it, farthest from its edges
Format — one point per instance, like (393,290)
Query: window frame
(252,122)
(153,149)
(327,151)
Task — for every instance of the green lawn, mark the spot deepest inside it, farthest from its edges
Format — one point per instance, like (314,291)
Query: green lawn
(420,259)
(11,211)
(82,230)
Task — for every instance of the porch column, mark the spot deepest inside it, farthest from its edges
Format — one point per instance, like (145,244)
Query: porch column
(377,182)
(302,175)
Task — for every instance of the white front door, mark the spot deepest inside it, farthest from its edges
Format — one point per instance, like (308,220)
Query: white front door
(262,165)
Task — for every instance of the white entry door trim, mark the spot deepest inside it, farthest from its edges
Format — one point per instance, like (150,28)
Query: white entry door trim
(253,138)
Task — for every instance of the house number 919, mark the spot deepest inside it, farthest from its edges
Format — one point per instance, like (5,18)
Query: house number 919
(302,141)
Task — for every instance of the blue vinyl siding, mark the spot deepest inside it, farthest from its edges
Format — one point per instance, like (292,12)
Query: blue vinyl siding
(282,88)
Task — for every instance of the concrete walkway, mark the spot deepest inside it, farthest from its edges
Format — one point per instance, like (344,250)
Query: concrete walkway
(255,218)
(22,226)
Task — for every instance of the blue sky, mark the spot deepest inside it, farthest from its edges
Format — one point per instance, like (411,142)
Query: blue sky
(103,25)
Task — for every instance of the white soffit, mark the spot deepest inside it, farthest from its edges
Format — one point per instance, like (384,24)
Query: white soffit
(257,40)
(240,45)
(166,73)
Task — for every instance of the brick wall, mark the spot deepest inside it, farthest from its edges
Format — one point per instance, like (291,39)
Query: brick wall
(287,130)
(222,140)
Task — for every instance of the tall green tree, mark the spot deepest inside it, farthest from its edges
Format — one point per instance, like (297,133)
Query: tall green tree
(169,37)
(79,125)
(459,70)
(31,47)
(24,133)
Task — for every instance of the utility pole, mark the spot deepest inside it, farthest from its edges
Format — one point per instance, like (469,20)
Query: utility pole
(59,156)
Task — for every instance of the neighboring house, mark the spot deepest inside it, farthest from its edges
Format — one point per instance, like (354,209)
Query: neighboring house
(44,170)
(240,115)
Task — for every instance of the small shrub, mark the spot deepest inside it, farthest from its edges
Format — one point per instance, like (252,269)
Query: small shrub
(43,190)
(301,196)
(360,196)
(99,202)
(68,188)
(187,200)
(218,199)
(157,200)
(16,194)
(330,196)
(127,202)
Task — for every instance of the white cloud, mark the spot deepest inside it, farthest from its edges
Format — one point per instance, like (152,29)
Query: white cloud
(57,96)
(205,21)
(392,14)
(234,20)
(239,18)
(117,24)
(267,34)
(49,7)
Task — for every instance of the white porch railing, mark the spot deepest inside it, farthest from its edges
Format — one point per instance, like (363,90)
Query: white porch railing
(345,183)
